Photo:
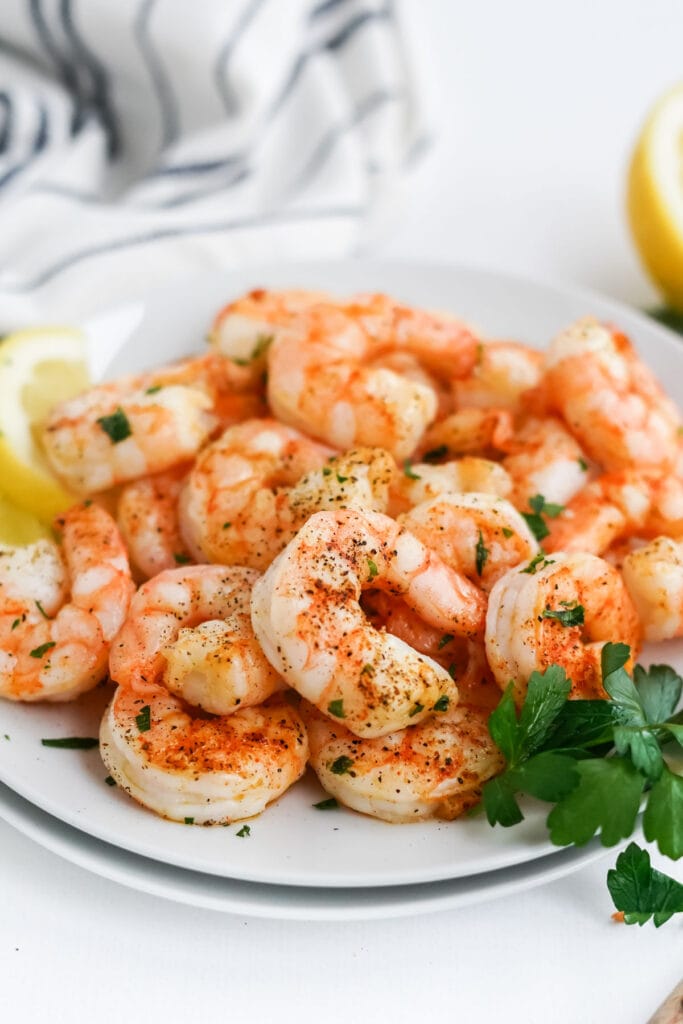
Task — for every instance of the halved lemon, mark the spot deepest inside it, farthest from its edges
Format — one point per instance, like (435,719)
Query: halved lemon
(37,369)
(19,527)
(655,195)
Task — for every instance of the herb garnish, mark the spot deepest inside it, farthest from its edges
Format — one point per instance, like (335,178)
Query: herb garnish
(41,610)
(595,760)
(442,703)
(144,719)
(153,390)
(38,652)
(372,568)
(189,821)
(181,559)
(482,554)
(110,780)
(244,832)
(326,805)
(336,708)
(408,470)
(539,508)
(72,742)
(435,454)
(539,561)
(445,639)
(416,709)
(116,426)
(572,614)
(507,532)
(342,766)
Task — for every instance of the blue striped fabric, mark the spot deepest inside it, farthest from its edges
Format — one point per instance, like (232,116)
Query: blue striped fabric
(143,140)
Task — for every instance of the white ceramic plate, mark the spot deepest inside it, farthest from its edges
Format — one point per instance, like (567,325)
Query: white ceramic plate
(292,843)
(286,902)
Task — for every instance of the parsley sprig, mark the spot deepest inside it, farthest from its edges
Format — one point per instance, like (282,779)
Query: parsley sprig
(541,508)
(597,761)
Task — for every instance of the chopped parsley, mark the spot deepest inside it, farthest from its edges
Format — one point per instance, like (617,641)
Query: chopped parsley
(372,568)
(367,670)
(226,526)
(341,479)
(408,470)
(72,742)
(572,614)
(153,390)
(144,719)
(42,611)
(189,821)
(326,805)
(244,832)
(482,554)
(263,343)
(416,709)
(442,703)
(539,561)
(17,622)
(507,532)
(445,639)
(116,426)
(327,471)
(39,652)
(110,780)
(540,508)
(583,464)
(181,559)
(336,708)
(342,766)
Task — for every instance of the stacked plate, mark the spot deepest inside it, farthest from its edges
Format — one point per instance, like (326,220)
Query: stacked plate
(297,861)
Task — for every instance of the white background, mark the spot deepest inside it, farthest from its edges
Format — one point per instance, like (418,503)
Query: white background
(536,105)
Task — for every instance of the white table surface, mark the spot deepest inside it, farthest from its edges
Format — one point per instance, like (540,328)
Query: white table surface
(537,105)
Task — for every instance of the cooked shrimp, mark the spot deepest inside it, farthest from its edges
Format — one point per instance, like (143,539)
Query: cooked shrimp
(502,373)
(617,506)
(189,630)
(432,770)
(306,614)
(653,575)
(544,458)
(52,648)
(200,770)
(421,481)
(251,490)
(147,515)
(479,535)
(111,434)
(561,609)
(483,432)
(610,399)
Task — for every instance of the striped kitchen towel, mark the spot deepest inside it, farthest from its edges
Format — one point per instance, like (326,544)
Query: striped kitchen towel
(142,141)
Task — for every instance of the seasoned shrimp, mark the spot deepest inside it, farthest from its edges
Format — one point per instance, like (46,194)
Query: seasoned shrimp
(479,535)
(250,491)
(54,645)
(561,609)
(147,515)
(544,458)
(189,630)
(421,481)
(111,434)
(483,432)
(306,614)
(610,399)
(502,373)
(432,770)
(653,575)
(200,770)
(617,506)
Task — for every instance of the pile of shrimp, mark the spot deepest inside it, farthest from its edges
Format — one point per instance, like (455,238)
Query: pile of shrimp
(334,539)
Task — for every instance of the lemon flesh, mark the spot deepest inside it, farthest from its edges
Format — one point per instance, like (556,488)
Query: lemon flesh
(38,368)
(655,195)
(19,527)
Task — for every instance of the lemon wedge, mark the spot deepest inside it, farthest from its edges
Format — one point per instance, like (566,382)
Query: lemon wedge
(19,527)
(655,195)
(37,369)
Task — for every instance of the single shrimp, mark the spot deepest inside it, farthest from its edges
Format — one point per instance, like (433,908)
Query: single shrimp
(251,490)
(199,770)
(189,629)
(617,506)
(544,458)
(559,609)
(478,535)
(653,575)
(58,618)
(610,399)
(422,481)
(502,373)
(464,658)
(147,516)
(306,614)
(432,770)
(483,432)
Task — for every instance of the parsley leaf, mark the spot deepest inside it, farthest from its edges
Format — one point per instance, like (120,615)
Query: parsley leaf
(144,719)
(663,818)
(244,832)
(539,561)
(326,805)
(116,426)
(72,742)
(659,691)
(482,554)
(436,453)
(445,639)
(372,569)
(39,652)
(500,804)
(571,615)
(641,892)
(442,703)
(540,508)
(606,799)
(408,470)
(336,708)
(342,766)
